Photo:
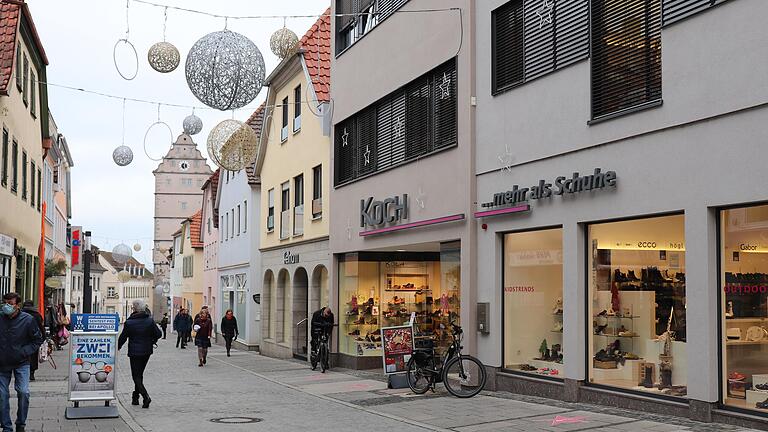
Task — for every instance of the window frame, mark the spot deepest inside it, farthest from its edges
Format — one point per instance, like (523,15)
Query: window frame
(297,109)
(317,191)
(32,94)
(271,210)
(495,89)
(32,183)
(5,155)
(24,171)
(14,166)
(25,85)
(19,72)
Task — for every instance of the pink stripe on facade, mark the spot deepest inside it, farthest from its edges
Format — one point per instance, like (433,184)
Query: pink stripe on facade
(413,225)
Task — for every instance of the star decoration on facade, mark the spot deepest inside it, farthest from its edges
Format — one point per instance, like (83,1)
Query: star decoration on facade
(421,198)
(545,12)
(399,126)
(345,138)
(506,160)
(445,86)
(367,155)
(349,230)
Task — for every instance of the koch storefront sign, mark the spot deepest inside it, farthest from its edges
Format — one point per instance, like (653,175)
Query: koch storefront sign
(375,214)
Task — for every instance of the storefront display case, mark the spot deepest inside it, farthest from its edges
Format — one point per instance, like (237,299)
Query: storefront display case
(386,290)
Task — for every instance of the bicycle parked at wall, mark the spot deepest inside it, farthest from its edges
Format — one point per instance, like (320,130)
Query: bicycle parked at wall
(463,375)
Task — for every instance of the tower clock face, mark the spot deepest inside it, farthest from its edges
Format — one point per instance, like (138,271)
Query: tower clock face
(184,165)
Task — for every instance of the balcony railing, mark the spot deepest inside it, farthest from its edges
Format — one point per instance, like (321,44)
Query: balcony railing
(298,220)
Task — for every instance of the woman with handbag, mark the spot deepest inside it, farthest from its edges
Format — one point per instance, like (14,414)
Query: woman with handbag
(203,328)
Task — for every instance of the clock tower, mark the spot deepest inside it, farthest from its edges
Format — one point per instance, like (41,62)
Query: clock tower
(178,195)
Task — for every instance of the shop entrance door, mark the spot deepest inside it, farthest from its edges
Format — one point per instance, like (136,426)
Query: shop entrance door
(300,315)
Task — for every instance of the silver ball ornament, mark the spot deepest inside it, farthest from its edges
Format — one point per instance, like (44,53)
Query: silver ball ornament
(233,145)
(137,247)
(284,43)
(192,125)
(122,253)
(225,70)
(163,57)
(122,155)
(123,276)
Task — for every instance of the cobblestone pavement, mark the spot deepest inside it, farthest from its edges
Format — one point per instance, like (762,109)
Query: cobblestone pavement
(248,392)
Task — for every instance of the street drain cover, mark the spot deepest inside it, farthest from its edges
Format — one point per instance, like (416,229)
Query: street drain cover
(236,420)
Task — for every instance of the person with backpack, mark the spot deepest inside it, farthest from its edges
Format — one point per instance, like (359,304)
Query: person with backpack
(141,333)
(34,362)
(164,324)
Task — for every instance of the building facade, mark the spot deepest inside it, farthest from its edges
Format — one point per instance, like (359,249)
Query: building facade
(189,260)
(178,194)
(293,165)
(120,290)
(619,259)
(209,236)
(98,297)
(402,170)
(25,137)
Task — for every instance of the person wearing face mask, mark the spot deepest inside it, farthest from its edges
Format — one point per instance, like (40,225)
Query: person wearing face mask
(20,337)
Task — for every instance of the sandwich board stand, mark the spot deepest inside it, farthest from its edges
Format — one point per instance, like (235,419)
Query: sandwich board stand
(397,348)
(93,366)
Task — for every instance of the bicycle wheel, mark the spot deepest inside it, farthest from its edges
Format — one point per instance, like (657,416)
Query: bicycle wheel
(418,380)
(323,357)
(464,376)
(313,359)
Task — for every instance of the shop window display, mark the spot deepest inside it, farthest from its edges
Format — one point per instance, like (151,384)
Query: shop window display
(638,306)
(385,289)
(744,278)
(533,302)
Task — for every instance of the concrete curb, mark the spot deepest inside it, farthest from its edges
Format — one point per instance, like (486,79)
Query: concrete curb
(337,401)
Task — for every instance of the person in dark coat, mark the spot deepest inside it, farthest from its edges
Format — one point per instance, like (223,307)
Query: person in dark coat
(164,324)
(183,326)
(229,329)
(322,323)
(142,333)
(19,337)
(29,307)
(203,328)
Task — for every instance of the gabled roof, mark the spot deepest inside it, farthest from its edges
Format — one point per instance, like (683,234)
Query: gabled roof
(195,223)
(316,47)
(256,122)
(132,261)
(10,13)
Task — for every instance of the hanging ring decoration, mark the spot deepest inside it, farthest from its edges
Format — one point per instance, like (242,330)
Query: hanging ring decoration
(146,134)
(135,56)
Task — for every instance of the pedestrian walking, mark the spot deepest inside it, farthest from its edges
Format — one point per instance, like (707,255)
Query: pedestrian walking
(34,362)
(19,337)
(229,329)
(142,333)
(183,326)
(164,324)
(204,308)
(203,328)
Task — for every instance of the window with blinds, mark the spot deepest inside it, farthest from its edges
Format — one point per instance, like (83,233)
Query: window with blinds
(355,18)
(411,122)
(532,38)
(626,55)
(676,10)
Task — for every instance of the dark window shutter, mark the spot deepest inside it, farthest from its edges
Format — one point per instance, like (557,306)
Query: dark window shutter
(571,32)
(539,40)
(417,108)
(445,106)
(384,133)
(344,164)
(626,54)
(347,8)
(367,150)
(507,44)
(398,140)
(676,10)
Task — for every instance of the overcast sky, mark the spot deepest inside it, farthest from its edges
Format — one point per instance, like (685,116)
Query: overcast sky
(116,203)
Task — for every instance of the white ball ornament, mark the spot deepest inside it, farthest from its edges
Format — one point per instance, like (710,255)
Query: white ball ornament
(122,156)
(192,125)
(122,253)
(283,43)
(163,57)
(233,145)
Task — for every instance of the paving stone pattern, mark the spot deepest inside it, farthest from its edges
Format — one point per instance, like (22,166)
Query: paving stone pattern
(285,395)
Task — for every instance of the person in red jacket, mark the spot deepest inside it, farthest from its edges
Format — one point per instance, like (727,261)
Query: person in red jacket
(203,328)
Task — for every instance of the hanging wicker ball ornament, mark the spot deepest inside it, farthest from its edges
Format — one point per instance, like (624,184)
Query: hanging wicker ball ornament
(192,125)
(137,247)
(163,57)
(225,70)
(122,155)
(233,145)
(122,253)
(283,43)
(123,276)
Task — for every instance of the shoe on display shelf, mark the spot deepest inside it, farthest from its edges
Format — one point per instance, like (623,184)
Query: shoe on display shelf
(355,332)
(736,376)
(360,320)
(761,387)
(558,327)
(762,405)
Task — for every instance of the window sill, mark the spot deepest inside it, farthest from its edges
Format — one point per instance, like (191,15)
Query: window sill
(298,235)
(317,218)
(271,231)
(296,131)
(626,111)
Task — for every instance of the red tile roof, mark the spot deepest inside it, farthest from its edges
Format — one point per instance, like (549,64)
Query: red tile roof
(9,22)
(256,122)
(316,45)
(10,11)
(196,222)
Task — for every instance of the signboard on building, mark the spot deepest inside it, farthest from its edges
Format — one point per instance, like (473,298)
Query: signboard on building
(95,322)
(76,245)
(397,343)
(93,357)
(7,244)
(378,213)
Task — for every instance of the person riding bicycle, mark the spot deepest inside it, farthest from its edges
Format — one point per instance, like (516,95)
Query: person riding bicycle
(322,323)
